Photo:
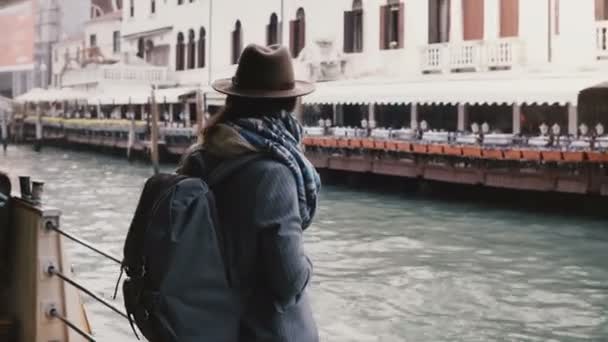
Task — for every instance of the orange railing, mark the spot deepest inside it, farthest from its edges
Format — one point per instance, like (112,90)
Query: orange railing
(473,151)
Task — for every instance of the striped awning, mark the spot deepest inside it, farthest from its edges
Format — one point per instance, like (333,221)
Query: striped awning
(540,90)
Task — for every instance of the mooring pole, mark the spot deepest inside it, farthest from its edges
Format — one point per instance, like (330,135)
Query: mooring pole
(200,110)
(38,143)
(131,136)
(4,128)
(154,132)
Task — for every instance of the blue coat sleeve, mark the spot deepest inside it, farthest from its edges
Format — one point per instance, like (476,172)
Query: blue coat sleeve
(286,267)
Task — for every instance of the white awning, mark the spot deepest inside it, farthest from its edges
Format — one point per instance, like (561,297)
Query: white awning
(541,90)
(172,95)
(120,95)
(52,95)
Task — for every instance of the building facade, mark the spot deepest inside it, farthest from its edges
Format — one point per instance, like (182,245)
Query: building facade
(371,37)
(390,60)
(200,40)
(36,25)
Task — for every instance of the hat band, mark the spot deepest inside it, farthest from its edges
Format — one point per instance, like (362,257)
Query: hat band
(283,86)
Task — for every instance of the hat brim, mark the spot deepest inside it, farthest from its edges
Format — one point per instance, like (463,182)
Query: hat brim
(225,86)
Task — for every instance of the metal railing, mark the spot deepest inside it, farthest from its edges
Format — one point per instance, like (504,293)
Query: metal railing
(53,271)
(54,313)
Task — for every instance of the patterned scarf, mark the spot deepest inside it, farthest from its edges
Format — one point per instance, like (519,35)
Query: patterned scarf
(280,137)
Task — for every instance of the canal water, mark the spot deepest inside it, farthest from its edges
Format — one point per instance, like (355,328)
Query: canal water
(388,267)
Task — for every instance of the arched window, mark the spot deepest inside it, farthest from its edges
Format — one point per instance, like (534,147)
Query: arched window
(391,25)
(353,28)
(191,49)
(131,8)
(298,33)
(140,48)
(179,52)
(152,6)
(272,30)
(202,35)
(237,42)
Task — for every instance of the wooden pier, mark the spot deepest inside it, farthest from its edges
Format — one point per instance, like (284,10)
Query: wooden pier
(514,167)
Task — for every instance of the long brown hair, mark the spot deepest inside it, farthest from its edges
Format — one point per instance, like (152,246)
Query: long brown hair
(237,107)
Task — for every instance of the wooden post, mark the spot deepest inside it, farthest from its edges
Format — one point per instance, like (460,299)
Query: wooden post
(131,138)
(38,143)
(154,132)
(4,128)
(186,113)
(19,127)
(299,110)
(100,115)
(200,116)
(200,111)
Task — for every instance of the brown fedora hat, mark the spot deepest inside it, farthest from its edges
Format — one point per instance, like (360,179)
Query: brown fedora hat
(264,72)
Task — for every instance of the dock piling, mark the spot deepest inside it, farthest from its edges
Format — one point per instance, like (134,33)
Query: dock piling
(154,133)
(4,129)
(38,143)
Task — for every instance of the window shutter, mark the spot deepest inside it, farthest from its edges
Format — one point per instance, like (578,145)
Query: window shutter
(599,10)
(345,36)
(401,25)
(433,21)
(292,38)
(383,38)
(473,17)
(359,29)
(509,18)
(348,32)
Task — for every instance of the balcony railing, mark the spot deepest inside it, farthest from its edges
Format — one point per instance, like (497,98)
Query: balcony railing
(116,73)
(602,39)
(466,56)
(433,58)
(503,53)
(471,56)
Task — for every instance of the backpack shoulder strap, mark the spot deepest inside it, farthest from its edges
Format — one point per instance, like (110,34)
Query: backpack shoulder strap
(227,168)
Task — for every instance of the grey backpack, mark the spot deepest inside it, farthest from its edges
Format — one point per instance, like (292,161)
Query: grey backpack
(178,286)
